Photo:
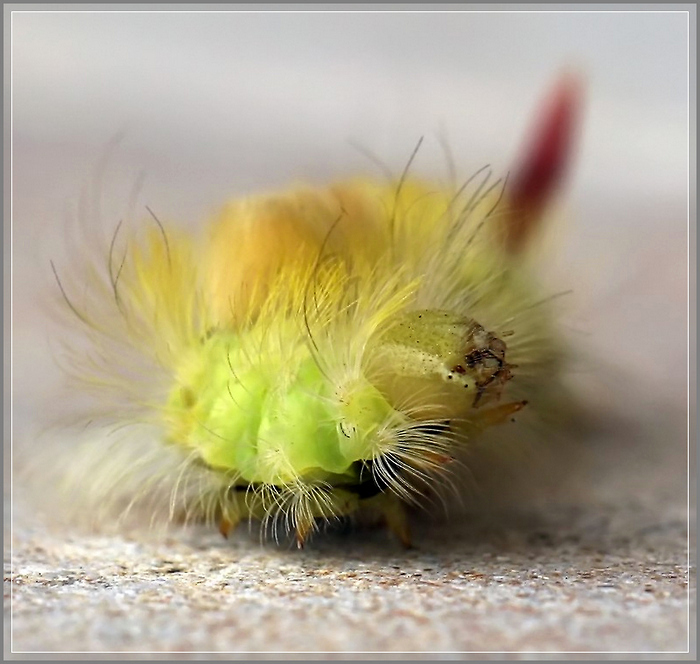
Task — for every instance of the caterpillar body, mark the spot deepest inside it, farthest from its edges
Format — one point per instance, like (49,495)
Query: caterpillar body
(324,352)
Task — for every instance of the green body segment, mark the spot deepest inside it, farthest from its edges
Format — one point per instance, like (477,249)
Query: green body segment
(273,421)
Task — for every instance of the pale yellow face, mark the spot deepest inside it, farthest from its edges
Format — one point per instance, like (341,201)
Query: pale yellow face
(438,364)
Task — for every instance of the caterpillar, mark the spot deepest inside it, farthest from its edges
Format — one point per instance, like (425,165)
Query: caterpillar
(321,353)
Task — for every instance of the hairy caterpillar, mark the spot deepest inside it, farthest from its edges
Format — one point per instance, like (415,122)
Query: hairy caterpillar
(322,353)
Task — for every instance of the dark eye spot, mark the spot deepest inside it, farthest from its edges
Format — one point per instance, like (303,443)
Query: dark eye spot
(472,359)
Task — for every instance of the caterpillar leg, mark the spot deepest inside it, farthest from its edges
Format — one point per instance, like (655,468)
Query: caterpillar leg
(302,531)
(496,415)
(393,513)
(227,524)
(231,514)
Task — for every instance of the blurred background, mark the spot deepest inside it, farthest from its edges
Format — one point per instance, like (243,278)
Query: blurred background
(210,106)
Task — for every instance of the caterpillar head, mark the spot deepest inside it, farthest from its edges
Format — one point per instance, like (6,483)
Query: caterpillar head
(436,363)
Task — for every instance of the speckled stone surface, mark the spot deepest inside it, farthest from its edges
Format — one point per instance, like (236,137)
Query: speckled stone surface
(566,583)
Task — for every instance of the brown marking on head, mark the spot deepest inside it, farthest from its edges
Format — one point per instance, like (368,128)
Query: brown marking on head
(487,363)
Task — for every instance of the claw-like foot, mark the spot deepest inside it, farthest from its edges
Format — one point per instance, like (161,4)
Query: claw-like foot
(393,513)
(302,531)
(227,523)
(497,414)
